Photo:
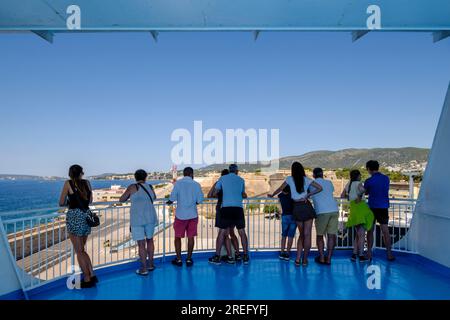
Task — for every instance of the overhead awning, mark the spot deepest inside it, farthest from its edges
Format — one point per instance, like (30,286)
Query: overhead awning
(160,15)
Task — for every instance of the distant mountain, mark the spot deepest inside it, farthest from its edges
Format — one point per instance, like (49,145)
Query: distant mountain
(26,177)
(347,158)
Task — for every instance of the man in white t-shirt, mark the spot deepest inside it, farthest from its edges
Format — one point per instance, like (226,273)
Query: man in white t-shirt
(188,194)
(327,217)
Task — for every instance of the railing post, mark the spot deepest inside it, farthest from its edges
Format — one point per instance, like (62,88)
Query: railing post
(246,208)
(72,260)
(164,233)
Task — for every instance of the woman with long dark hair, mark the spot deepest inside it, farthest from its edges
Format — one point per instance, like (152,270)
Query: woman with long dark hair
(77,195)
(303,211)
(360,217)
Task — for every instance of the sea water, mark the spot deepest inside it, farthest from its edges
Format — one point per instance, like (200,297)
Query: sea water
(24,195)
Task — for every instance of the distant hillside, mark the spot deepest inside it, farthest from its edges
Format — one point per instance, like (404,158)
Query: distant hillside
(25,177)
(347,158)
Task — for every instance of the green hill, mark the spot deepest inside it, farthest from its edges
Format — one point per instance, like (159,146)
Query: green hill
(346,158)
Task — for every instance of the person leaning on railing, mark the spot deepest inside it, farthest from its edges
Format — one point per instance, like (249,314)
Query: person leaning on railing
(327,219)
(143,219)
(360,217)
(302,211)
(231,239)
(188,194)
(77,195)
(231,213)
(377,188)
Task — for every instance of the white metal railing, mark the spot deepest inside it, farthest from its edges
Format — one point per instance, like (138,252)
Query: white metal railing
(42,250)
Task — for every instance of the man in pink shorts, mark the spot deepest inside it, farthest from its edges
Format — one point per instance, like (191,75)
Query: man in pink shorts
(187,193)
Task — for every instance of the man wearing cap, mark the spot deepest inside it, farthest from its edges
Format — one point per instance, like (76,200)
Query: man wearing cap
(231,212)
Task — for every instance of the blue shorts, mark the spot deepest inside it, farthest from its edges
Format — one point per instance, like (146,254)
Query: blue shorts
(143,232)
(288,226)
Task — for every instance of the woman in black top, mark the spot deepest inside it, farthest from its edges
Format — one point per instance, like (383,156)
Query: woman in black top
(78,192)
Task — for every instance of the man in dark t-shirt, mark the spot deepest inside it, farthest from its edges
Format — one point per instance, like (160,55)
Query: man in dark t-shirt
(377,188)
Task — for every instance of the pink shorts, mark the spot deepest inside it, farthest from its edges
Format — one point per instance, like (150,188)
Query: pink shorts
(185,228)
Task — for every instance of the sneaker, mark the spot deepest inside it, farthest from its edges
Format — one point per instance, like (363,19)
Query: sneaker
(189,262)
(363,259)
(245,259)
(139,272)
(284,256)
(224,258)
(177,262)
(237,256)
(214,259)
(230,260)
(354,257)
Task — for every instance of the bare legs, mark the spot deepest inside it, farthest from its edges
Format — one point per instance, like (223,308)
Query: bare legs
(331,243)
(178,247)
(84,261)
(304,240)
(234,240)
(244,240)
(358,247)
(221,239)
(287,248)
(150,251)
(190,247)
(191,243)
(146,249)
(320,247)
(386,238)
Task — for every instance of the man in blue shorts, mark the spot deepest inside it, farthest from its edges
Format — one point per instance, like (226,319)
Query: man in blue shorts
(288,223)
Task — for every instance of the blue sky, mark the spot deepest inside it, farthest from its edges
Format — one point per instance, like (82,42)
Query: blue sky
(111,101)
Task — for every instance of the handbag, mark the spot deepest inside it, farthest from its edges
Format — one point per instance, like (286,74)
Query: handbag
(92,219)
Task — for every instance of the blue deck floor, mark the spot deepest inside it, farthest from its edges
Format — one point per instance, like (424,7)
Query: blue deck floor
(266,277)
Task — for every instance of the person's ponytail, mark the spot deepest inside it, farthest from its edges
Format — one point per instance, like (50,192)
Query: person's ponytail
(75,173)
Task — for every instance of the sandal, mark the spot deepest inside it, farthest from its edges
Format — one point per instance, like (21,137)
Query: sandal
(140,273)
